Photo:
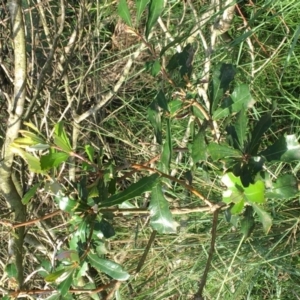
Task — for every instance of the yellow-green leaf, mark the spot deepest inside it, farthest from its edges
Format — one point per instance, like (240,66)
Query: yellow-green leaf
(32,161)
(33,127)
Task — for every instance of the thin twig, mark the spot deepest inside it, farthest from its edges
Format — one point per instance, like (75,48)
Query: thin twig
(120,211)
(198,295)
(50,215)
(146,251)
(186,186)
(114,288)
(23,293)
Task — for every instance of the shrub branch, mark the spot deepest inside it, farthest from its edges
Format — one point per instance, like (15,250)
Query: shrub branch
(15,110)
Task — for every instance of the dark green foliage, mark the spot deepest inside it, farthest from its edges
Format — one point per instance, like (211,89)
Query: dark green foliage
(180,65)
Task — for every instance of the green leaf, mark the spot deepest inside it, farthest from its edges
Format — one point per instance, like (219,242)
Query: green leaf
(60,275)
(228,214)
(161,218)
(11,270)
(197,112)
(101,193)
(260,128)
(32,161)
(222,76)
(83,192)
(255,192)
(216,92)
(84,268)
(90,150)
(286,149)
(186,58)
(227,73)
(126,204)
(264,217)
(30,193)
(174,62)
(22,142)
(82,231)
(61,139)
(46,267)
(109,267)
(165,160)
(93,191)
(154,117)
(236,192)
(241,127)
(239,98)
(38,147)
(64,286)
(182,60)
(124,13)
(224,110)
(140,7)
(199,147)
(30,139)
(219,151)
(153,67)
(109,171)
(247,222)
(33,127)
(285,187)
(238,207)
(180,65)
(53,160)
(62,144)
(162,101)
(105,228)
(135,190)
(101,248)
(36,138)
(175,106)
(248,170)
(155,9)
(65,203)
(232,138)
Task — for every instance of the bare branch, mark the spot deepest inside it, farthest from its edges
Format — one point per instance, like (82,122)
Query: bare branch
(15,110)
(198,295)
